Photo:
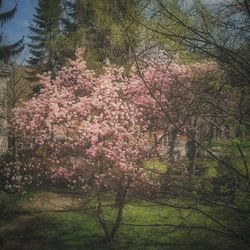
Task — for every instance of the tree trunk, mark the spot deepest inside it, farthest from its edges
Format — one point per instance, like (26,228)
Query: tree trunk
(192,157)
(121,204)
(101,219)
(192,148)
(171,153)
(111,234)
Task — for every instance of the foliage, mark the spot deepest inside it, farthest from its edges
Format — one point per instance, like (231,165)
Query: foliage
(45,29)
(89,117)
(101,27)
(101,120)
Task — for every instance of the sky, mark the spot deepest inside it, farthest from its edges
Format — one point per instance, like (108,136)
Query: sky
(17,27)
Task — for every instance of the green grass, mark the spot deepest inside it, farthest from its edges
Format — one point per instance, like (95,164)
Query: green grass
(75,230)
(54,231)
(162,166)
(168,230)
(156,165)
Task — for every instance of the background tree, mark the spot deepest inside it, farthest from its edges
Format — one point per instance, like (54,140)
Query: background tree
(6,52)
(19,90)
(97,26)
(46,29)
(203,38)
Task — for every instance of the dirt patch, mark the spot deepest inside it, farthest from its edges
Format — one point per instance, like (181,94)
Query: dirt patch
(48,201)
(13,224)
(42,202)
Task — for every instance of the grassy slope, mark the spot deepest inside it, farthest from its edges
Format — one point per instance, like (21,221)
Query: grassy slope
(73,230)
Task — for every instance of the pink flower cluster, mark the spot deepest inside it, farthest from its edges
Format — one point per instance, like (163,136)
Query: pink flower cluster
(91,129)
(87,129)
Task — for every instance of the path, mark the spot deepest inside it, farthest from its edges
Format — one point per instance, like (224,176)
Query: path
(42,202)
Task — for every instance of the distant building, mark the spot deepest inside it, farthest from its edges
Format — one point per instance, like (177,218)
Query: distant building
(162,141)
(15,88)
(4,77)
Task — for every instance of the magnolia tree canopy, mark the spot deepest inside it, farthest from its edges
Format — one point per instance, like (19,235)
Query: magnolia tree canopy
(89,130)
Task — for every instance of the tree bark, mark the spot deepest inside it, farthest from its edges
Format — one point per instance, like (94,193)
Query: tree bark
(121,204)
(100,217)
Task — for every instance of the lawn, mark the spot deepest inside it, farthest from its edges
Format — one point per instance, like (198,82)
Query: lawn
(146,226)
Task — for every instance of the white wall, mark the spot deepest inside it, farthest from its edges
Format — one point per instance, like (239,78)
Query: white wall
(3,115)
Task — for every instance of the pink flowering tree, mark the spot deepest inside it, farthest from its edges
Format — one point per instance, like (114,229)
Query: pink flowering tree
(174,99)
(85,132)
(88,131)
(158,89)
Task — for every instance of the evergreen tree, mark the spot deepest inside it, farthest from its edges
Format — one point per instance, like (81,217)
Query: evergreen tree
(81,25)
(46,30)
(8,50)
(99,27)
